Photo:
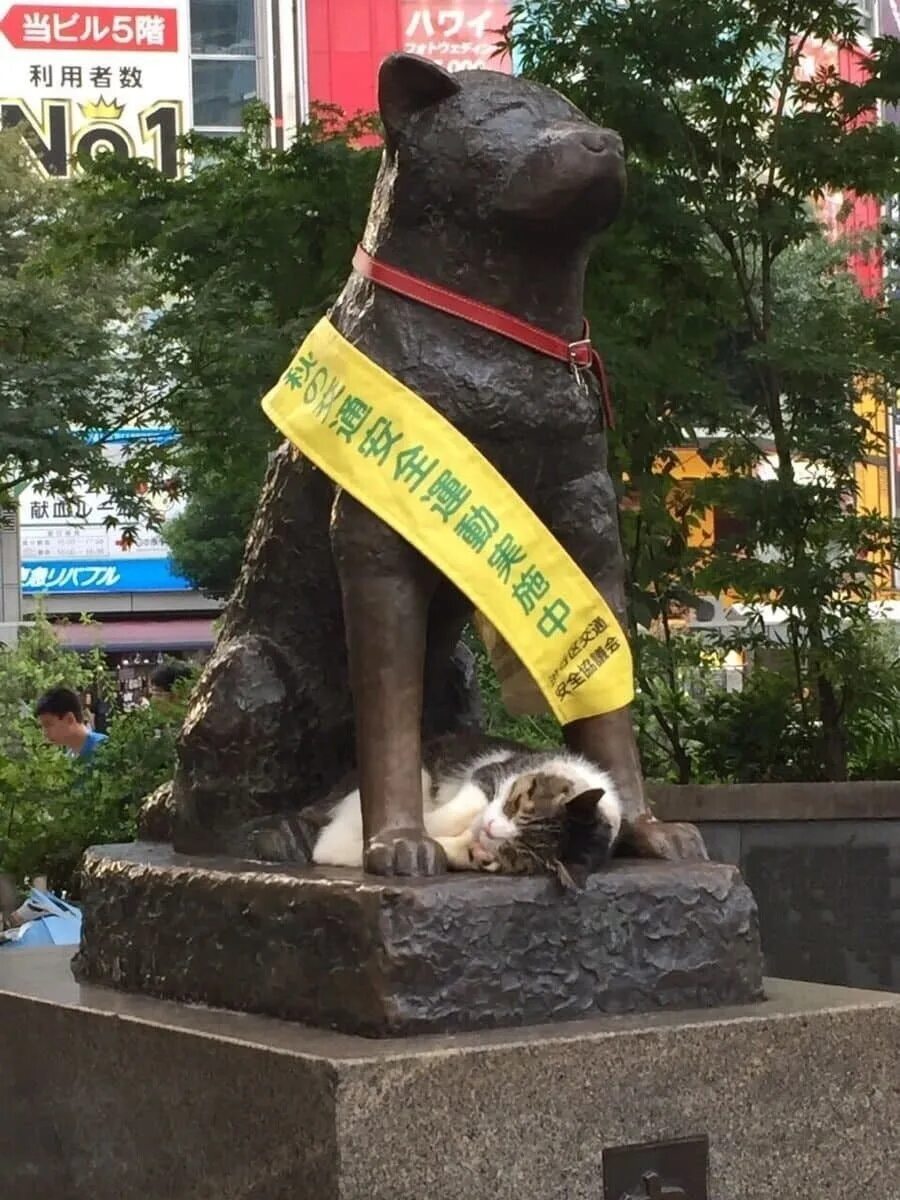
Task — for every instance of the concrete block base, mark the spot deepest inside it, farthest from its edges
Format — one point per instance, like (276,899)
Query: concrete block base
(106,1096)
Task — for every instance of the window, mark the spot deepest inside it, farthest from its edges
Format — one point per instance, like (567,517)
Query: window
(224,64)
(221,89)
(222,27)
(729,529)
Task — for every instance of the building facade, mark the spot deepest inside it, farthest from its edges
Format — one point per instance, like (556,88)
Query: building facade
(347,39)
(130,78)
(122,76)
(73,565)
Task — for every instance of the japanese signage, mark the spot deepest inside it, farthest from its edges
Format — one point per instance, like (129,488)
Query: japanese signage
(397,455)
(459,37)
(67,547)
(86,79)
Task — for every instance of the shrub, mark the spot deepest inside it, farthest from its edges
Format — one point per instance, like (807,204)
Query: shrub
(52,807)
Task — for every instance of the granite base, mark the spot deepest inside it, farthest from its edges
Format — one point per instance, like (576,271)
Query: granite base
(106,1096)
(385,957)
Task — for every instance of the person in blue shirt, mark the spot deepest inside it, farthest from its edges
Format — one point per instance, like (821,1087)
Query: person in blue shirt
(61,716)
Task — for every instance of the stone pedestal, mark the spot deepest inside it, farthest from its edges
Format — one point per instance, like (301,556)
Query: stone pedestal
(106,1096)
(384,957)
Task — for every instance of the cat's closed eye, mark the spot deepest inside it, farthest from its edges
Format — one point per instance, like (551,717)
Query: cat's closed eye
(519,801)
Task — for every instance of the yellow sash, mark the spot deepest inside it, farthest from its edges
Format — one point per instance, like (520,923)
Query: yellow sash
(400,458)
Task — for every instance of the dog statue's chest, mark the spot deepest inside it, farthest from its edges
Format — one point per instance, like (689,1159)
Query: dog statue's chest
(484,384)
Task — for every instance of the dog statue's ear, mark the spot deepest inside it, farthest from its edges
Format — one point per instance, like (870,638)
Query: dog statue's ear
(407,84)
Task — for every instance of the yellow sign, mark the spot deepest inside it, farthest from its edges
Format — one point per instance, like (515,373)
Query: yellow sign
(400,458)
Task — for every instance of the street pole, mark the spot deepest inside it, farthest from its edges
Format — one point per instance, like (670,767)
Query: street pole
(10,576)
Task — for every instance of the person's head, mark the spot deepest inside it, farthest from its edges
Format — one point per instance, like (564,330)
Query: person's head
(61,717)
(165,678)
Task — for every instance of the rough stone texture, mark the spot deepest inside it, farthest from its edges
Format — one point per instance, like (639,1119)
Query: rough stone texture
(826,874)
(156,815)
(111,1097)
(342,950)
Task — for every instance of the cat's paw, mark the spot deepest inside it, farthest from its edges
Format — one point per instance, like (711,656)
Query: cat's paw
(407,852)
(675,841)
(458,850)
(482,857)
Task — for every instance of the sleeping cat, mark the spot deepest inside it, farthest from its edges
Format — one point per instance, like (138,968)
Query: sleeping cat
(495,805)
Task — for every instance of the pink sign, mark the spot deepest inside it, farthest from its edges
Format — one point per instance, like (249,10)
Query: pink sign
(461,36)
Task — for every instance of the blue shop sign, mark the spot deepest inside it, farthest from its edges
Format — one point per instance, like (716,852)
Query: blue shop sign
(105,576)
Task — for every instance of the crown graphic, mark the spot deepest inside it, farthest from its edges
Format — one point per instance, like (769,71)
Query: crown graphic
(102,110)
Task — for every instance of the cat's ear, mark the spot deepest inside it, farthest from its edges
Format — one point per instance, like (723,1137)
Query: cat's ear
(583,807)
(407,84)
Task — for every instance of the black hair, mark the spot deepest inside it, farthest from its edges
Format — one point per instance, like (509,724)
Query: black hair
(166,676)
(58,702)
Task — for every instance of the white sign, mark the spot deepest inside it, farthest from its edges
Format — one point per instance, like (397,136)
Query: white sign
(52,528)
(87,78)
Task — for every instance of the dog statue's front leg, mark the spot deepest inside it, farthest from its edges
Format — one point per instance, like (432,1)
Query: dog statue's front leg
(385,622)
(386,598)
(609,741)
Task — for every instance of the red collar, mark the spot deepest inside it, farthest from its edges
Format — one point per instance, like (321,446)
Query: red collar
(577,355)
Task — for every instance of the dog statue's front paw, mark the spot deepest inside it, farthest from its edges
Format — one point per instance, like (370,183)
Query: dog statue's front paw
(406,852)
(675,841)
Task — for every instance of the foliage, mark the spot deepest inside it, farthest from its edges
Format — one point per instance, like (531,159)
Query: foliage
(730,324)
(206,539)
(757,735)
(538,731)
(674,684)
(243,257)
(68,347)
(52,807)
(873,722)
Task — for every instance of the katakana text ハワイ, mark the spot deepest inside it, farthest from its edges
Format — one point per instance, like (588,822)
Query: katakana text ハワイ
(448,22)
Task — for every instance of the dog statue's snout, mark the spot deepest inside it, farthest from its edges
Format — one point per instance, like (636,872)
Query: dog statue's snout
(603,141)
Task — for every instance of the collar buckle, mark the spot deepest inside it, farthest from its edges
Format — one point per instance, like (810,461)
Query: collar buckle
(579,353)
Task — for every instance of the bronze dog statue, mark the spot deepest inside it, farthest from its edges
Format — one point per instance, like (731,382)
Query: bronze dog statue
(493,187)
